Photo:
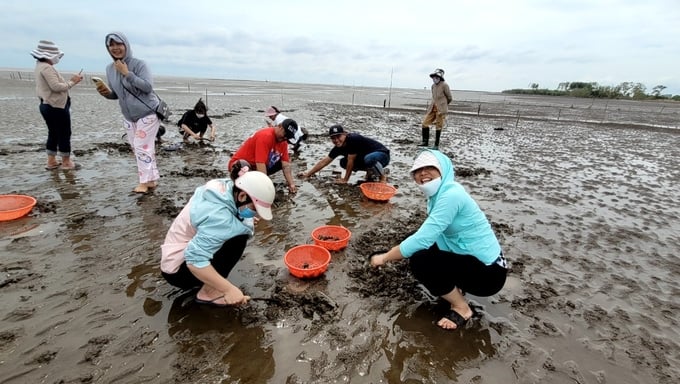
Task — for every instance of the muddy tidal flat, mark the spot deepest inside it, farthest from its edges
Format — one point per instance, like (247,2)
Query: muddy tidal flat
(583,195)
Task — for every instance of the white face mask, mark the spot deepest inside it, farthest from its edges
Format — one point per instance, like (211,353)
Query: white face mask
(55,59)
(200,115)
(431,187)
(436,80)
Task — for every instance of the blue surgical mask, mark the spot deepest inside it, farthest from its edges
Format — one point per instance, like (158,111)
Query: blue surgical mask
(431,187)
(247,213)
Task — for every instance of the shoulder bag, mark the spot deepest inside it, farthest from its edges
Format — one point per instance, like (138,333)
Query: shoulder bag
(162,110)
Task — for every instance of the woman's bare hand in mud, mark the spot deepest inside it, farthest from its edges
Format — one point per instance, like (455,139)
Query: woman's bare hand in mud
(340,181)
(235,297)
(378,260)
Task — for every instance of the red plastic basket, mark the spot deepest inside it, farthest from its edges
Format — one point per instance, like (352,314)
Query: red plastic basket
(15,206)
(378,191)
(307,261)
(331,237)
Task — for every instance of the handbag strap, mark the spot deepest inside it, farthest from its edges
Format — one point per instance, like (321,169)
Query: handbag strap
(140,100)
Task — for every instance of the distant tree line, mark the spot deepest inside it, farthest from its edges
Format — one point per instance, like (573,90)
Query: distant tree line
(625,90)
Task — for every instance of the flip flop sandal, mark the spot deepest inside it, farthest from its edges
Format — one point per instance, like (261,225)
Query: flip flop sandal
(74,167)
(210,302)
(52,167)
(457,319)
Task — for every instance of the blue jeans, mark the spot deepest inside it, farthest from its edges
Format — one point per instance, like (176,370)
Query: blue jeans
(375,161)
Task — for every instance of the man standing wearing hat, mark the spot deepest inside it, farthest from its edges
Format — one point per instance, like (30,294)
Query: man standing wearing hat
(359,154)
(438,108)
(267,149)
(55,103)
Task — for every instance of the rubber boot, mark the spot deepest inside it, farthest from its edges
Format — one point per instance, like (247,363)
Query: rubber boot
(426,137)
(437,135)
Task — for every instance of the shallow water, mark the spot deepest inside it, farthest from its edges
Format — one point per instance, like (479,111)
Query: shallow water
(587,214)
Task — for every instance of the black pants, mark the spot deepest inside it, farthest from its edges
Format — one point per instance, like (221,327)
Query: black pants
(58,122)
(223,261)
(440,272)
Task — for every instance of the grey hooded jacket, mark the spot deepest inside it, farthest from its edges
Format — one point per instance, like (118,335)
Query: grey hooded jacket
(138,81)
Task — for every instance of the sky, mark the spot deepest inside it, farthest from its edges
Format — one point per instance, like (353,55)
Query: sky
(483,45)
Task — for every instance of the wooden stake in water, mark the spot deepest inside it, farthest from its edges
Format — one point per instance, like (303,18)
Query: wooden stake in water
(389,94)
(517,121)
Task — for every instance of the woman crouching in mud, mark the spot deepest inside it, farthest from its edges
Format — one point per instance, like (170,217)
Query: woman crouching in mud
(208,237)
(454,250)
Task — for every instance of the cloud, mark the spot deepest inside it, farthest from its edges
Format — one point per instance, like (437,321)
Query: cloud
(483,45)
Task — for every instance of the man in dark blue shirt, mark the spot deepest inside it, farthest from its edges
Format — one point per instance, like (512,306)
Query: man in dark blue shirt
(359,154)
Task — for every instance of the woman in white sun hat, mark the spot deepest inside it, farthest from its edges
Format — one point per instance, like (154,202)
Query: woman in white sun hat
(208,237)
(55,103)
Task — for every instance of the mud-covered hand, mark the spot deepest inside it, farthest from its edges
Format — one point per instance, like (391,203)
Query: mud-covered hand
(292,188)
(378,260)
(121,67)
(235,297)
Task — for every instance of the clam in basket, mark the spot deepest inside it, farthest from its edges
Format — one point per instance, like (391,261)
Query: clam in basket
(307,261)
(15,206)
(378,191)
(331,237)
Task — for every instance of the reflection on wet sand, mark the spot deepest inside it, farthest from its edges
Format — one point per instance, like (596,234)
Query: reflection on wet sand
(214,342)
(425,350)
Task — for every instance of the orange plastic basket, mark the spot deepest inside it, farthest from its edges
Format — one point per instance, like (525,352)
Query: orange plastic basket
(378,191)
(307,261)
(15,206)
(331,237)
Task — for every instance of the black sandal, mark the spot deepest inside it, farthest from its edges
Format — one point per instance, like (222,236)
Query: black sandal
(456,318)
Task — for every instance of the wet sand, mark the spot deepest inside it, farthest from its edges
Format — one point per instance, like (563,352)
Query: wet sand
(582,194)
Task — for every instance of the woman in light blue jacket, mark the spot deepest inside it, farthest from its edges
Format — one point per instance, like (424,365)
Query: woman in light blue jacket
(454,250)
(130,82)
(208,237)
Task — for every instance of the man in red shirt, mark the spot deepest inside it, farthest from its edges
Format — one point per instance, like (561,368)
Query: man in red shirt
(267,149)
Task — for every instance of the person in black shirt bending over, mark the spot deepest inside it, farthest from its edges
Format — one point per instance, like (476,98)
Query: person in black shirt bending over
(359,154)
(195,122)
